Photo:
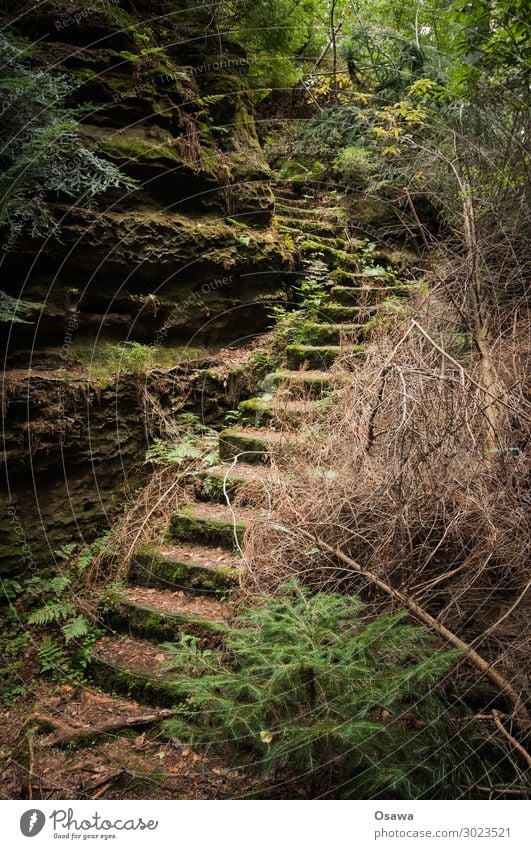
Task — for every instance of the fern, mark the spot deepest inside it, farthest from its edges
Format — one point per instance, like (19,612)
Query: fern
(52,612)
(210,99)
(51,657)
(78,627)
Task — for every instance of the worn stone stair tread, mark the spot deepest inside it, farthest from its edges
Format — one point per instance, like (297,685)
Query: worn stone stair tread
(135,668)
(176,603)
(347,295)
(331,312)
(278,406)
(211,524)
(318,227)
(163,614)
(239,474)
(302,375)
(299,212)
(325,333)
(250,444)
(191,567)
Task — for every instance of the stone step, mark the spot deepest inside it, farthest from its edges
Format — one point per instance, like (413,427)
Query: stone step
(192,568)
(250,445)
(311,383)
(340,277)
(271,410)
(163,615)
(210,524)
(334,257)
(136,669)
(244,480)
(332,312)
(317,333)
(351,295)
(286,195)
(311,356)
(293,226)
(298,212)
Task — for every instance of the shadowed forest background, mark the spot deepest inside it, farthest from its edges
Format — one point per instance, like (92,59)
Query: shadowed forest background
(263,294)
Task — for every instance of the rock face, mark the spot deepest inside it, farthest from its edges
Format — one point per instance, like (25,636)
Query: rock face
(190,255)
(170,106)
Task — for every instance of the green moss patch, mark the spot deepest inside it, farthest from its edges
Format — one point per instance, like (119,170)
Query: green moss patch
(150,568)
(186,527)
(232,443)
(317,357)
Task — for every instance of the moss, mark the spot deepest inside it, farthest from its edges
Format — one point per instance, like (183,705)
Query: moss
(317,333)
(313,386)
(148,623)
(335,257)
(208,531)
(121,680)
(122,147)
(252,408)
(316,357)
(232,442)
(150,568)
(338,312)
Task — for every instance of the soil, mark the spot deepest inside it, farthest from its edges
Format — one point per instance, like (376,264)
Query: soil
(178,602)
(220,513)
(139,655)
(136,765)
(213,557)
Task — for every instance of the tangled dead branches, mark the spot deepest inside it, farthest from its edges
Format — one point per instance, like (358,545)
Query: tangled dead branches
(396,477)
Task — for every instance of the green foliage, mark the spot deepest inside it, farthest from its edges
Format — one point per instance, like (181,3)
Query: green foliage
(15,641)
(317,689)
(355,166)
(42,157)
(12,309)
(51,657)
(100,545)
(164,453)
(128,356)
(54,653)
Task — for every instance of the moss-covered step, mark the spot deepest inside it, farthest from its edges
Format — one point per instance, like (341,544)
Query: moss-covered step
(250,445)
(135,669)
(313,384)
(350,296)
(297,211)
(230,479)
(334,257)
(294,226)
(333,312)
(210,524)
(272,410)
(196,569)
(312,356)
(317,333)
(340,277)
(361,295)
(161,615)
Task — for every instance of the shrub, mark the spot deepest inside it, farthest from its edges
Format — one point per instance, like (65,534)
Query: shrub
(327,697)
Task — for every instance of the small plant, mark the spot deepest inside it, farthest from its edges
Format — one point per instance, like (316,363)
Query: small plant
(128,357)
(164,453)
(323,695)
(69,626)
(14,644)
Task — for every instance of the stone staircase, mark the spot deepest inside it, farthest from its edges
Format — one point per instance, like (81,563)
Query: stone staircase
(184,585)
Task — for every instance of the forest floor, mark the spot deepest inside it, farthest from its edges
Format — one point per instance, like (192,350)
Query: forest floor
(135,764)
